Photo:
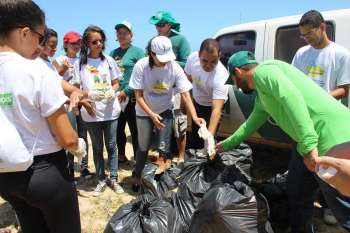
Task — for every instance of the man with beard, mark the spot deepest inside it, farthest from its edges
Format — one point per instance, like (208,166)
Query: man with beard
(307,114)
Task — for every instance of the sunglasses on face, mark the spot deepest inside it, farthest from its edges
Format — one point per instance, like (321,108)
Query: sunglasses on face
(41,36)
(160,25)
(95,42)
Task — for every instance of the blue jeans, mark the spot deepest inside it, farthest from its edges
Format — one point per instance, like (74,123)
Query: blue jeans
(145,128)
(301,188)
(106,130)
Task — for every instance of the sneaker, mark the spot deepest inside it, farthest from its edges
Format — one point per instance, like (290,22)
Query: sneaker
(328,217)
(116,187)
(85,174)
(99,188)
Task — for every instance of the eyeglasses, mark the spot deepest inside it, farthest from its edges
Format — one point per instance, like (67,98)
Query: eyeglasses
(41,36)
(305,35)
(95,42)
(160,25)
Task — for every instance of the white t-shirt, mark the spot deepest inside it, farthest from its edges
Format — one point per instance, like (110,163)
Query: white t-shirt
(207,86)
(68,75)
(328,67)
(47,63)
(98,75)
(159,84)
(28,96)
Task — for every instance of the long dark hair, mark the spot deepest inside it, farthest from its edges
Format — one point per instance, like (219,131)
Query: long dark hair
(49,32)
(19,13)
(84,46)
(149,52)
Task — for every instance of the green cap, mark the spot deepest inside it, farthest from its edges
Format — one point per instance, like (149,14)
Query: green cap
(165,17)
(239,59)
(124,24)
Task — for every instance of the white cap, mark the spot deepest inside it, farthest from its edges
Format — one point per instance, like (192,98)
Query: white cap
(124,24)
(161,46)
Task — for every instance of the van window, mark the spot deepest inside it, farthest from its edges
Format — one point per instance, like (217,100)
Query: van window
(288,41)
(234,42)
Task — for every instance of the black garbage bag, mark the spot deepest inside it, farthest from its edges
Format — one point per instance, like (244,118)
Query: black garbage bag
(275,191)
(231,208)
(146,214)
(158,184)
(185,203)
(199,172)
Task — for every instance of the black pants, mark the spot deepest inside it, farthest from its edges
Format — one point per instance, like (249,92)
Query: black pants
(43,197)
(203,112)
(129,116)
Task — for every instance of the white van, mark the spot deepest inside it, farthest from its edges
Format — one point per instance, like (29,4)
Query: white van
(277,38)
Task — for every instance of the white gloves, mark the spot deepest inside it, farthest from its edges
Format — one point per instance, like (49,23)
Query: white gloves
(209,142)
(80,152)
(326,173)
(97,95)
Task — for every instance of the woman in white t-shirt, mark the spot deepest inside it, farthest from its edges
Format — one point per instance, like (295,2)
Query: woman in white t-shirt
(49,47)
(155,80)
(43,196)
(99,75)
(64,65)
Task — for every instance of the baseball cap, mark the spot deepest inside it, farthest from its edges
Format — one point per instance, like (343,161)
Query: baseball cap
(124,24)
(239,59)
(161,46)
(71,37)
(165,17)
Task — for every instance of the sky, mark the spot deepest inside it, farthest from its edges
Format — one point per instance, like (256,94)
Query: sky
(199,19)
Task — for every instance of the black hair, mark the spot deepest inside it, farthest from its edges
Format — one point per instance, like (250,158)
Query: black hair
(149,52)
(19,13)
(210,46)
(312,18)
(85,39)
(49,32)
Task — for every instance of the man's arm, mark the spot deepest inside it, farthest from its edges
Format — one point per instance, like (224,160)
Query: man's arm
(215,115)
(340,92)
(254,122)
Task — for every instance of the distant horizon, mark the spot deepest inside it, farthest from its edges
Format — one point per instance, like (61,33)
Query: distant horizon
(198,21)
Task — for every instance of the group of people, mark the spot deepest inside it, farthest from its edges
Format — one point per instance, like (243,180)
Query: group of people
(55,103)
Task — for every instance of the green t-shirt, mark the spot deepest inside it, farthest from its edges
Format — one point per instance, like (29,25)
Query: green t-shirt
(126,59)
(301,108)
(181,48)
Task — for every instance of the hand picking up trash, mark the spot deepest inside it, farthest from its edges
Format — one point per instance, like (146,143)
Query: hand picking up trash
(209,142)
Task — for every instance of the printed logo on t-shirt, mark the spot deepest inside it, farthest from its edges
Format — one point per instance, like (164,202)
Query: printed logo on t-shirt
(160,88)
(198,83)
(316,73)
(6,99)
(119,61)
(101,85)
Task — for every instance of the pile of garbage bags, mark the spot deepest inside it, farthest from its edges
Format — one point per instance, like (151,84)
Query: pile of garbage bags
(201,196)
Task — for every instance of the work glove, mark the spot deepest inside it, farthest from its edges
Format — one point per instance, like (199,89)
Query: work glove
(209,142)
(80,152)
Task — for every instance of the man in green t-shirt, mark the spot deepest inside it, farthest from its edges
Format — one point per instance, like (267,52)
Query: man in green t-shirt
(313,119)
(166,25)
(126,56)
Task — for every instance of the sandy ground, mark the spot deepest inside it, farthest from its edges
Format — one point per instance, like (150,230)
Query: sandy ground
(96,211)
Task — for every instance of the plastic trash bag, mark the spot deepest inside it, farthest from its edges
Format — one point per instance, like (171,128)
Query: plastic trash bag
(146,214)
(200,172)
(231,208)
(275,191)
(158,184)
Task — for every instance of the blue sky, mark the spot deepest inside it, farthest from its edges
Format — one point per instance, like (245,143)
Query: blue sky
(199,19)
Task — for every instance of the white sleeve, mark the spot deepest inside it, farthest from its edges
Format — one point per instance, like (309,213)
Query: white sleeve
(182,84)
(296,59)
(76,73)
(136,80)
(343,71)
(59,60)
(51,95)
(220,90)
(188,65)
(114,69)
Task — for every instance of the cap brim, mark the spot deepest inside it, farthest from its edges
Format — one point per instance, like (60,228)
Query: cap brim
(120,25)
(72,40)
(166,57)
